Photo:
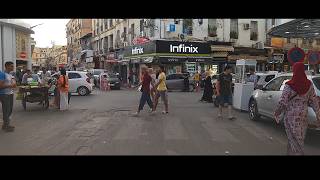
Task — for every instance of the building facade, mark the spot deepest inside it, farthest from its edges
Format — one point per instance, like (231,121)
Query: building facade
(75,30)
(15,43)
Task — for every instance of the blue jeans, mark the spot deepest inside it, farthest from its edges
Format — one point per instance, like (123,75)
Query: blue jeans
(145,97)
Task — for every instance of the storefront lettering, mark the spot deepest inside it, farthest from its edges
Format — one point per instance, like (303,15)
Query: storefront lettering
(183,48)
(173,60)
(137,50)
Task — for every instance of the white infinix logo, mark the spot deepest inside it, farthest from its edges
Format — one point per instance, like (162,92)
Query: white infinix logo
(137,50)
(184,49)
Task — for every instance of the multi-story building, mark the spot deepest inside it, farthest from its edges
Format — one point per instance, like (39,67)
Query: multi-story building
(75,30)
(15,43)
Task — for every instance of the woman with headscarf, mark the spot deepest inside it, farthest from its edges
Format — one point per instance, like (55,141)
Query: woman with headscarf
(297,95)
(208,89)
(63,88)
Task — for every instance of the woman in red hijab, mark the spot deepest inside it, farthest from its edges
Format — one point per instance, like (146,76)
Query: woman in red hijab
(297,95)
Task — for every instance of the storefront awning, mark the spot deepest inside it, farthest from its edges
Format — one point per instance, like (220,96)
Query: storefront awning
(222,48)
(257,58)
(298,28)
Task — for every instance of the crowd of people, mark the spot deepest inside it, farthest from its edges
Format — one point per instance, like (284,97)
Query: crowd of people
(9,81)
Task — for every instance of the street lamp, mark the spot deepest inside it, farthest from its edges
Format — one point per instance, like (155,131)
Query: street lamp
(35,25)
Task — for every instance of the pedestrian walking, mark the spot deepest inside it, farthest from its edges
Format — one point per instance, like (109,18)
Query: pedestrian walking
(152,89)
(208,89)
(63,88)
(45,76)
(7,86)
(297,95)
(196,79)
(130,78)
(145,95)
(162,90)
(53,87)
(186,82)
(224,91)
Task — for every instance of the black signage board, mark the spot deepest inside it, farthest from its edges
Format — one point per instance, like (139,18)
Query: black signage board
(179,47)
(143,49)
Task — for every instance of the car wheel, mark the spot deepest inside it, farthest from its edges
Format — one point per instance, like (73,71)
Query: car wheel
(253,111)
(83,91)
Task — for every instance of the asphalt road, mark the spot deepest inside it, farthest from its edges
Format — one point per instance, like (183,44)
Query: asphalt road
(102,124)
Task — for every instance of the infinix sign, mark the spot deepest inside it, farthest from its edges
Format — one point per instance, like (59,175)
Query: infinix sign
(183,48)
(137,50)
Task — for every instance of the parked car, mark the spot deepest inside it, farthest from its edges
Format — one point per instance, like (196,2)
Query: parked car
(79,82)
(265,77)
(113,80)
(176,82)
(263,102)
(96,74)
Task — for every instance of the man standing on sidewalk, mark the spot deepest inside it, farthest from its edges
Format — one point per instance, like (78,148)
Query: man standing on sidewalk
(162,90)
(7,84)
(224,91)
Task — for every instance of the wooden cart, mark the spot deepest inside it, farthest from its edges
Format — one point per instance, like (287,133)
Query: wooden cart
(34,94)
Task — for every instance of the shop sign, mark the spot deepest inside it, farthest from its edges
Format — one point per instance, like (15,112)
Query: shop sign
(137,50)
(277,42)
(172,60)
(200,60)
(178,47)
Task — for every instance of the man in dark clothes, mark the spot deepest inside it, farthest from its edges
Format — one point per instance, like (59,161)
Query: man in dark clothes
(224,91)
(186,82)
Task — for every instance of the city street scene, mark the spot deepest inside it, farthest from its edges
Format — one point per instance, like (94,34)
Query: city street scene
(160,87)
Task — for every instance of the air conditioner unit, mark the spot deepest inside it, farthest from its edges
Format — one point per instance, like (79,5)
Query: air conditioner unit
(246,26)
(260,45)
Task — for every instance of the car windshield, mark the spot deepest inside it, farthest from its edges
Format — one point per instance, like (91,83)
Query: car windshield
(316,82)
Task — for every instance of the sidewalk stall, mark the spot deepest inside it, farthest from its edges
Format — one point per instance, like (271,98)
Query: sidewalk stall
(243,89)
(33,93)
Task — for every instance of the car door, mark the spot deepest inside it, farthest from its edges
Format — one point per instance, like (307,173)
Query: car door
(170,82)
(270,96)
(179,81)
(73,81)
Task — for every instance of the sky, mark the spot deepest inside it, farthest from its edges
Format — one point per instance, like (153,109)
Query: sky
(50,30)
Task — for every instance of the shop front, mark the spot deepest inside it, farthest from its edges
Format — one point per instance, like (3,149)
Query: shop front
(175,56)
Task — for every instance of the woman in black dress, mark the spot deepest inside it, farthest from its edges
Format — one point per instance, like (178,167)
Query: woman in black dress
(208,90)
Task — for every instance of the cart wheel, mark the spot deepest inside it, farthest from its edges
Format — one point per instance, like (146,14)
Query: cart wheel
(24,103)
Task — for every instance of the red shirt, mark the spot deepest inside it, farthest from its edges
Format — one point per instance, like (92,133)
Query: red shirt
(146,80)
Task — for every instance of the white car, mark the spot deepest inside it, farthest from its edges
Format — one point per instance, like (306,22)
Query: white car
(80,82)
(264,78)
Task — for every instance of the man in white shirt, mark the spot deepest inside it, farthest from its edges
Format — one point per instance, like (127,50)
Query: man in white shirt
(7,85)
